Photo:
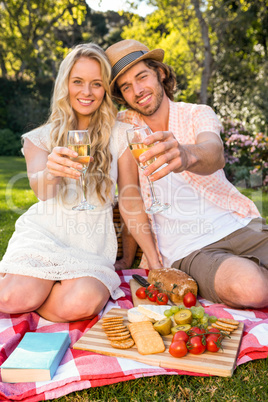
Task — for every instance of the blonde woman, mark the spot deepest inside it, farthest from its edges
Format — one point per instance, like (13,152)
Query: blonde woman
(59,262)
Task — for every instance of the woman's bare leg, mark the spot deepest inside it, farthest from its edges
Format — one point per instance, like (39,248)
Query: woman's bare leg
(22,294)
(74,300)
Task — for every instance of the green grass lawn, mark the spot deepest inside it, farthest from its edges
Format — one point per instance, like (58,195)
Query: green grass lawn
(249,381)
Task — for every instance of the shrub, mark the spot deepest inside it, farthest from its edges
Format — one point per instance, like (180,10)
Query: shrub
(10,143)
(246,155)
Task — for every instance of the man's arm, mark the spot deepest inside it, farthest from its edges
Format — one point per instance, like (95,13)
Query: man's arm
(129,246)
(204,157)
(132,208)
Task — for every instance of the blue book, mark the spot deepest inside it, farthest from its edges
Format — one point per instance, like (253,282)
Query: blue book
(36,358)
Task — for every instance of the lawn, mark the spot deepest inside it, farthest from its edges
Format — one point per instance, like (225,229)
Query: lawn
(249,381)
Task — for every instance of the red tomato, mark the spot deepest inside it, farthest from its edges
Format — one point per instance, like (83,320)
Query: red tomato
(196,345)
(178,349)
(189,300)
(141,293)
(161,298)
(213,343)
(152,295)
(152,287)
(196,331)
(214,331)
(180,336)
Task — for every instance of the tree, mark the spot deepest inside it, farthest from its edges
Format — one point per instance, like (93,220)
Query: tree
(31,43)
(218,49)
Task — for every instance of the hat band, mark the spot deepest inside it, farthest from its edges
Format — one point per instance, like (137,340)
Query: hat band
(122,63)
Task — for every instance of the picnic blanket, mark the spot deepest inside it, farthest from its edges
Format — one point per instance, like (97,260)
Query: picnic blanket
(81,369)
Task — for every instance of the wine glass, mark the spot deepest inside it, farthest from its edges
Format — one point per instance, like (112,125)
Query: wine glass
(79,141)
(135,137)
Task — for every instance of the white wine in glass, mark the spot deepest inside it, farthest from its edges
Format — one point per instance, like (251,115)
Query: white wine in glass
(135,137)
(79,141)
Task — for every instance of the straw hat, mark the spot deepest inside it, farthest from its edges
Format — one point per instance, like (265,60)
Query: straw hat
(124,54)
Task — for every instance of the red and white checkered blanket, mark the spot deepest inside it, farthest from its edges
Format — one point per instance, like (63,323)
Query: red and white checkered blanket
(81,369)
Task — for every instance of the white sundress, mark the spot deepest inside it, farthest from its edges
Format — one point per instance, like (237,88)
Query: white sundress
(51,241)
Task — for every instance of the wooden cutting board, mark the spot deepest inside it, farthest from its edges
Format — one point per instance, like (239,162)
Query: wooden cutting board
(134,285)
(221,363)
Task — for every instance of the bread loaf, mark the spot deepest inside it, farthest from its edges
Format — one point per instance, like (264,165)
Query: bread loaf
(174,282)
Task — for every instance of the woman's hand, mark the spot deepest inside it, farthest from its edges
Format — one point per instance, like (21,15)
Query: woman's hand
(59,163)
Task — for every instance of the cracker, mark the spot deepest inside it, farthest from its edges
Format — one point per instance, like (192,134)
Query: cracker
(214,325)
(112,324)
(109,319)
(228,321)
(123,344)
(228,326)
(118,337)
(115,331)
(148,341)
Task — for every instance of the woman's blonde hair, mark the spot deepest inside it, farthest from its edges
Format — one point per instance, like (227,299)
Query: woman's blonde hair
(63,118)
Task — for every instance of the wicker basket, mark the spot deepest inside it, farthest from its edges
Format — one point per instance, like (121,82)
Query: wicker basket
(118,230)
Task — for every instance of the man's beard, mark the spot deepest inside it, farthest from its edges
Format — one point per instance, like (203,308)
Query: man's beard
(151,110)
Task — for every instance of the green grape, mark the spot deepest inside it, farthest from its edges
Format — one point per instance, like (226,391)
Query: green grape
(204,320)
(174,309)
(168,313)
(194,311)
(205,325)
(199,314)
(194,322)
(182,307)
(212,319)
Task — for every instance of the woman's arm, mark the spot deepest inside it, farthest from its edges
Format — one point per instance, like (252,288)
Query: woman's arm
(132,208)
(45,169)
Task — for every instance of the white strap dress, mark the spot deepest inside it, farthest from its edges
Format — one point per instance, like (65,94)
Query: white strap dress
(51,241)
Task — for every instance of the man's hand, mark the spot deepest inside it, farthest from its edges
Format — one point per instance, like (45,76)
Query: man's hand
(204,157)
(169,154)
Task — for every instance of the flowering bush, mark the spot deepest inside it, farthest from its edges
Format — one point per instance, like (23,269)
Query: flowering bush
(246,155)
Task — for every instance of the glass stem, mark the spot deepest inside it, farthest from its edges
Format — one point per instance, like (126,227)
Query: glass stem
(155,200)
(82,181)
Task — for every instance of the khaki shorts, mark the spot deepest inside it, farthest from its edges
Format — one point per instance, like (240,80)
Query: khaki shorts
(249,242)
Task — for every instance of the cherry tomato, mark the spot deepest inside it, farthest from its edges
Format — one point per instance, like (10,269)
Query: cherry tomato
(141,293)
(152,295)
(180,336)
(214,331)
(197,344)
(213,343)
(161,298)
(189,300)
(152,287)
(178,349)
(196,331)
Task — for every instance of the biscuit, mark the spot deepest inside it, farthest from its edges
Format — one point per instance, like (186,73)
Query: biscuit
(227,326)
(215,325)
(115,330)
(112,324)
(123,344)
(148,341)
(119,337)
(109,319)
(229,321)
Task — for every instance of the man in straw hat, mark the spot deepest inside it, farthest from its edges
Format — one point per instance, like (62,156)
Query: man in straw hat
(212,232)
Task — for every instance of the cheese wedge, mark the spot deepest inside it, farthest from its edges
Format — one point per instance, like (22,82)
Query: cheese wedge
(154,312)
(134,315)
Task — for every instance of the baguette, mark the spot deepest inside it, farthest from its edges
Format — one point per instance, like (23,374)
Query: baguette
(174,282)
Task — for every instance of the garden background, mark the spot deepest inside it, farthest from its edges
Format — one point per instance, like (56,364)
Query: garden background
(218,49)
